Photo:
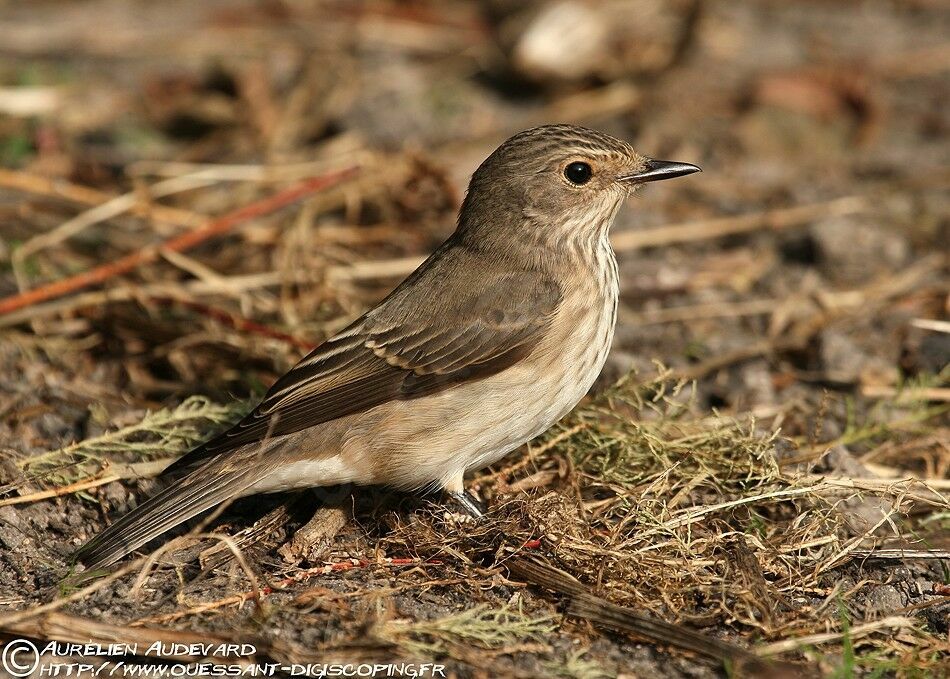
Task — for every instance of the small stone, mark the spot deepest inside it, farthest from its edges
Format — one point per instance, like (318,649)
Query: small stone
(53,426)
(861,513)
(115,494)
(572,40)
(852,249)
(845,360)
(933,354)
(757,380)
(884,600)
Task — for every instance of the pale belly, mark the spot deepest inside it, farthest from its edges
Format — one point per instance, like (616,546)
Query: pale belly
(543,398)
(429,442)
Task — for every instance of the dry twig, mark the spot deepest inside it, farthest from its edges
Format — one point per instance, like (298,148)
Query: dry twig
(185,241)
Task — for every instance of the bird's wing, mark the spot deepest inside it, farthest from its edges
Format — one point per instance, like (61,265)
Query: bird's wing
(437,329)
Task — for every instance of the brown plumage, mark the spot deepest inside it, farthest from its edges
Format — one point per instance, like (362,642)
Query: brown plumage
(490,341)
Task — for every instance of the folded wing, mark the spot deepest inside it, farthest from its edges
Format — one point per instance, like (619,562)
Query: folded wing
(435,330)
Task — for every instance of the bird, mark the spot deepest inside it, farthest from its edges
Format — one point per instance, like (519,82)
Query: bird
(497,335)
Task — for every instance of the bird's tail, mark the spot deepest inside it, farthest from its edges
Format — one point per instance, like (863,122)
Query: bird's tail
(185,499)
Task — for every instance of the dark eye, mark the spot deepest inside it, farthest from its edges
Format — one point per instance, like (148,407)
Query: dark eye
(578,173)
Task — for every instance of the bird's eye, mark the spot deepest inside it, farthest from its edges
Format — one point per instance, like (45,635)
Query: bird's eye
(578,173)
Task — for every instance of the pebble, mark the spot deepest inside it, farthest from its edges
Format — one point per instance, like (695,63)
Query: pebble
(884,600)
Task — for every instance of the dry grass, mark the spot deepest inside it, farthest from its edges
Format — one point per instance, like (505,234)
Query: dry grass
(140,449)
(693,518)
(478,627)
(799,281)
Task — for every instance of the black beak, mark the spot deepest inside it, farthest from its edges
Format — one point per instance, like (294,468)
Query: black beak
(655,170)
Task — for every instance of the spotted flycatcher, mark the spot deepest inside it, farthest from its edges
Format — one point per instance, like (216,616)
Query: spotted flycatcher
(493,339)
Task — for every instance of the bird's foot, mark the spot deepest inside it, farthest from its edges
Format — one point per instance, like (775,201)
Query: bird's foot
(472,509)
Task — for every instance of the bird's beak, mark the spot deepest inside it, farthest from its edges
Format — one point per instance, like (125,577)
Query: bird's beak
(655,170)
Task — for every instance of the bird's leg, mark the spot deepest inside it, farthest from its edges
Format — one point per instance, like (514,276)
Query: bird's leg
(468,504)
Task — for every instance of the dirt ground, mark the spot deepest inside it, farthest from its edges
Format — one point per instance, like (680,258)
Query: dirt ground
(765,459)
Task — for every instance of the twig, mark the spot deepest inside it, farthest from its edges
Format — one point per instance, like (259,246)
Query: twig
(313,539)
(221,538)
(904,395)
(705,229)
(25,100)
(786,645)
(887,472)
(930,324)
(104,211)
(913,63)
(692,312)
(84,195)
(691,515)
(835,305)
(582,603)
(268,525)
(229,285)
(184,241)
(289,172)
(138,470)
(900,553)
(535,453)
(846,553)
(927,489)
(599,102)
(386,268)
(819,484)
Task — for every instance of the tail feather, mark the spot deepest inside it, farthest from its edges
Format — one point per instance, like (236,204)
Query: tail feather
(181,501)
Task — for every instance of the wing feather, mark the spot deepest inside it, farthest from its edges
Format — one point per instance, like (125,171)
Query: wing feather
(433,331)
(184,500)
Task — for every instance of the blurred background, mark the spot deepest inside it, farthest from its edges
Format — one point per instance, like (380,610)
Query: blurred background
(802,278)
(783,104)
(837,110)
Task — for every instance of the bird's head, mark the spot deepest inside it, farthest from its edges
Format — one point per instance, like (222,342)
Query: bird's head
(557,183)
